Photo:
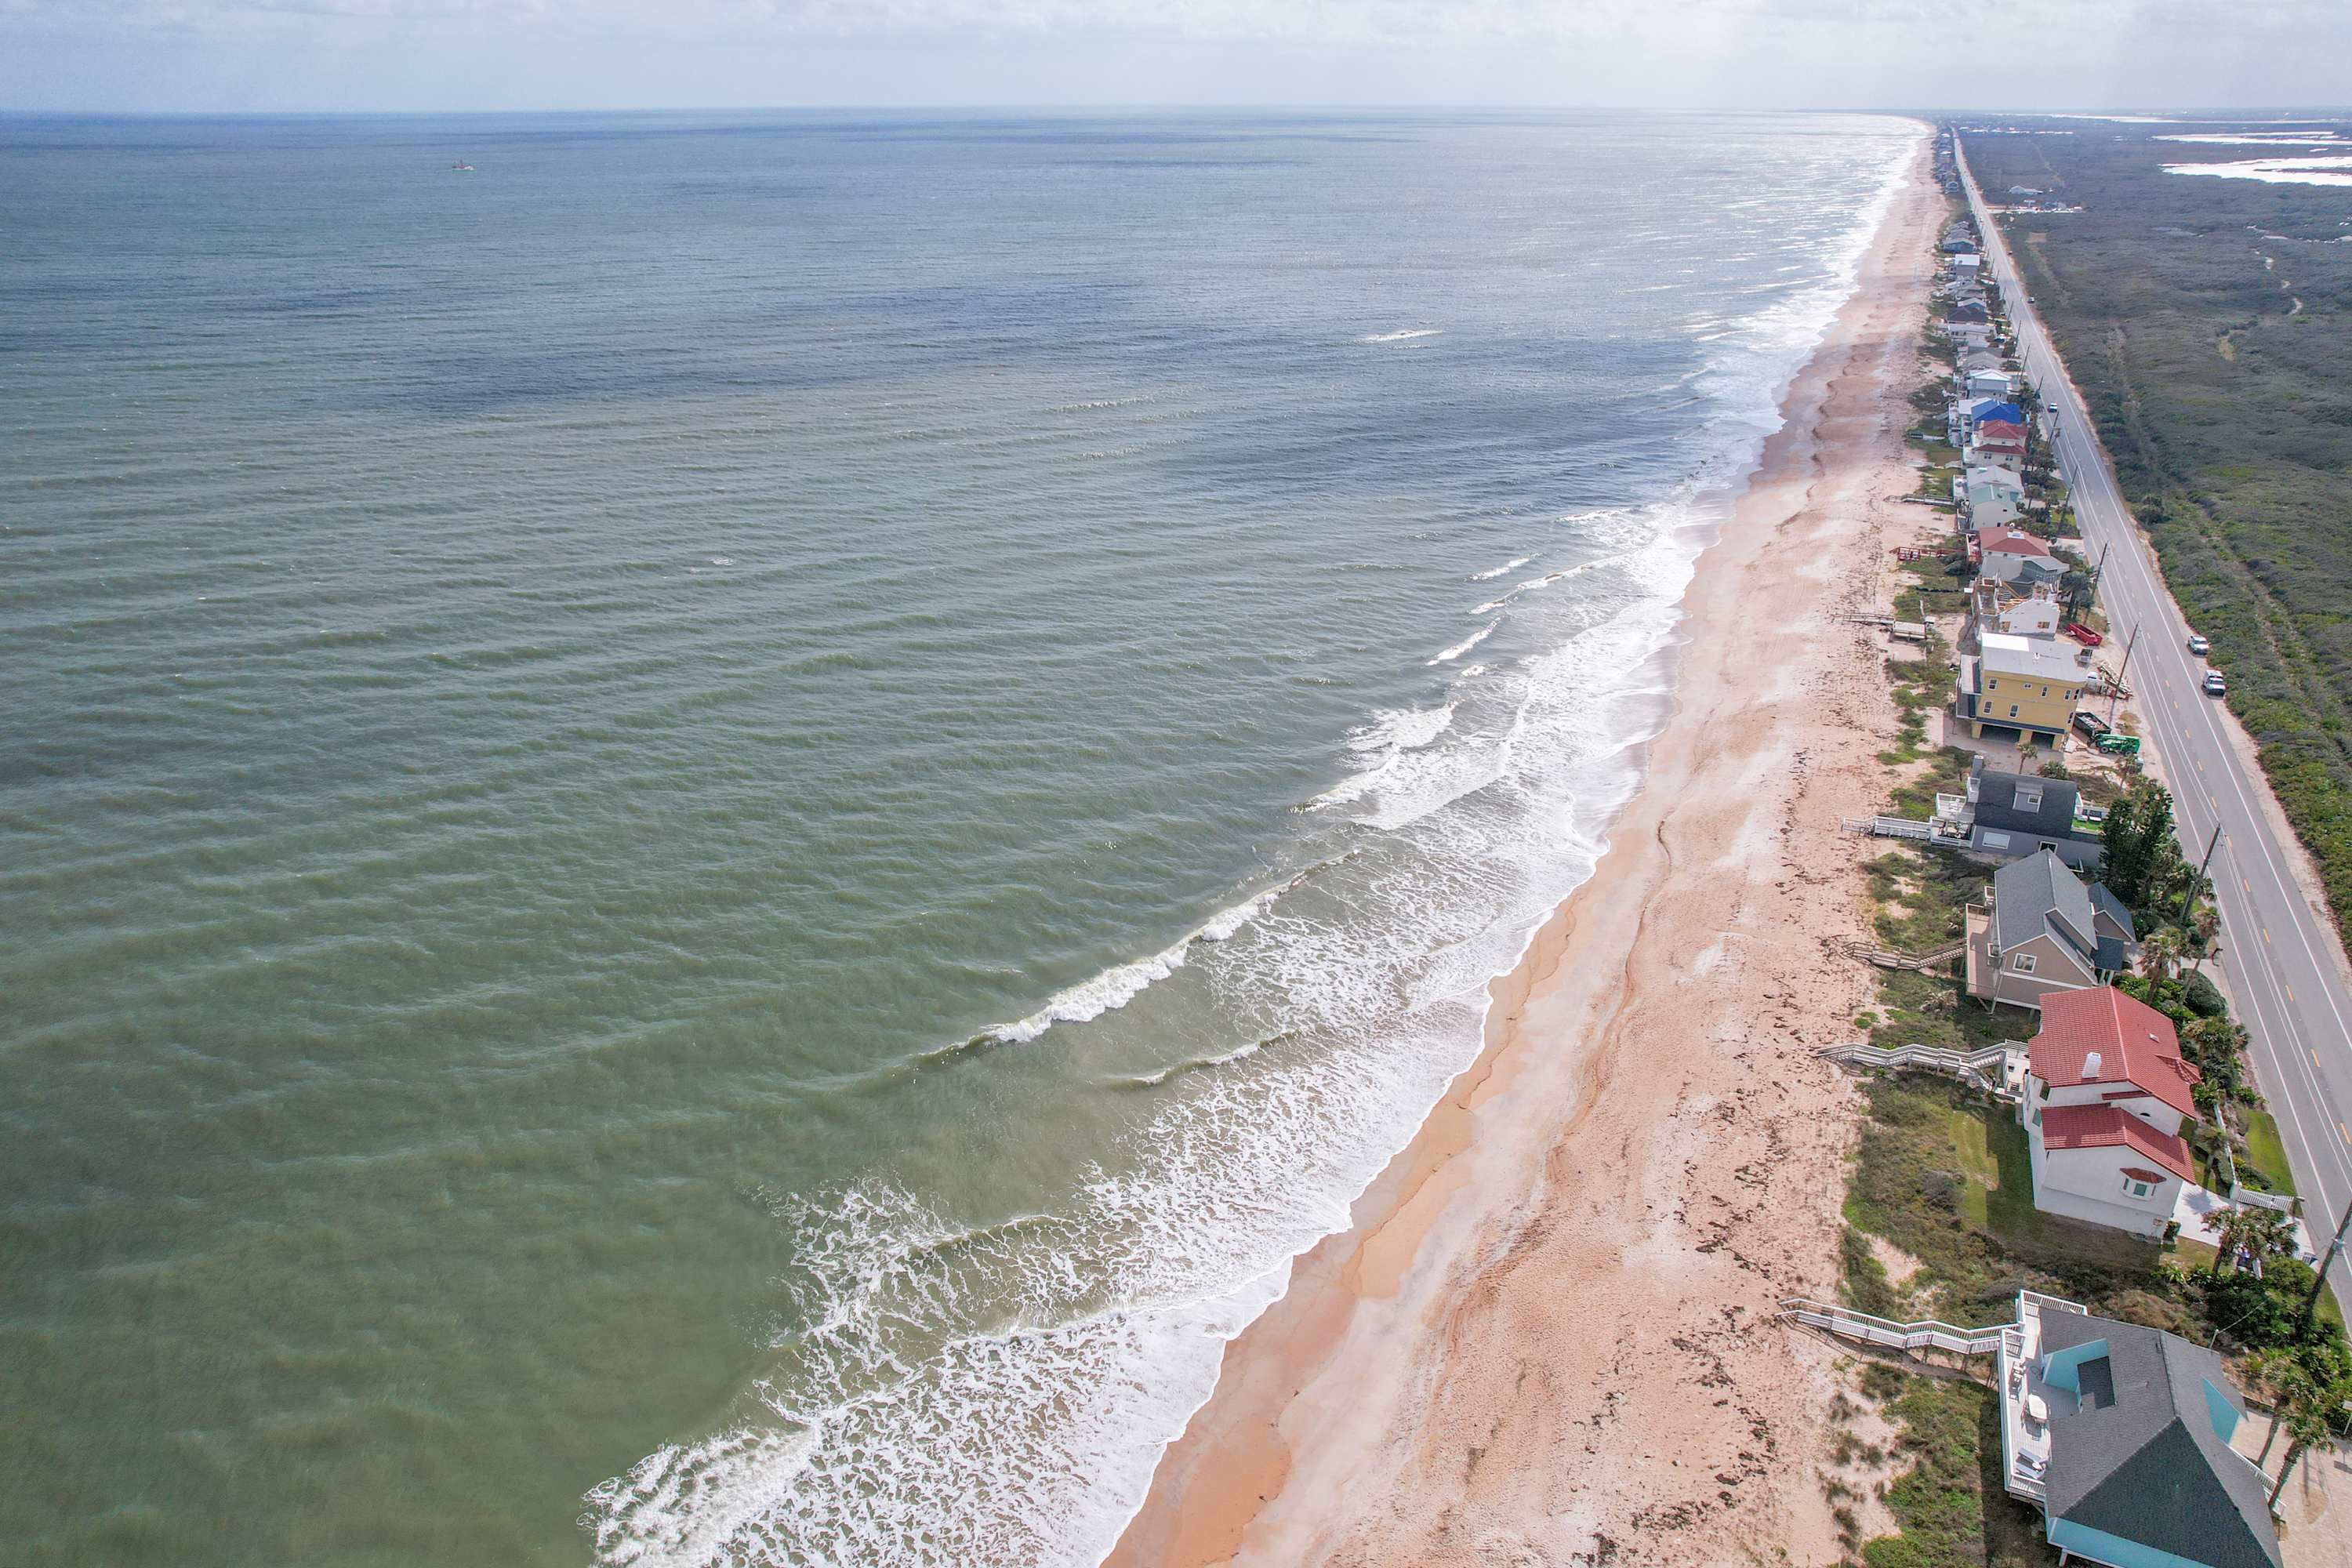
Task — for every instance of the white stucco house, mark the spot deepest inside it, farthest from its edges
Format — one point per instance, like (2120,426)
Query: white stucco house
(2106,1091)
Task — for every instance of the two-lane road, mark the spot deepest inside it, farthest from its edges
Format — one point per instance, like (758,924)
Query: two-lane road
(2279,963)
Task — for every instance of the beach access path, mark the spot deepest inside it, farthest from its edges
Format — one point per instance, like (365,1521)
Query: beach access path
(1548,1336)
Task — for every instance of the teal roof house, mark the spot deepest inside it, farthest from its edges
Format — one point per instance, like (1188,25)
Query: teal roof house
(2121,1436)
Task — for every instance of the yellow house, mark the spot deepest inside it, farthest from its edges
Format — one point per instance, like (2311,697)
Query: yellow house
(2024,683)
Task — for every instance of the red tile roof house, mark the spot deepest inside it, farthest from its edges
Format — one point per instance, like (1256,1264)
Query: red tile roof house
(2009,553)
(1998,435)
(2105,1093)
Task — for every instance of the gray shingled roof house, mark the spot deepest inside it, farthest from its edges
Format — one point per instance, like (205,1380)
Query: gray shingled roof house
(2020,814)
(2139,1457)
(2046,931)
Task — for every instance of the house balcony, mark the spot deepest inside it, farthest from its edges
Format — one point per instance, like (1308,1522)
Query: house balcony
(2028,1405)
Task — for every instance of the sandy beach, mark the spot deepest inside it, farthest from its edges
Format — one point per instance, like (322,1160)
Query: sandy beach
(1548,1337)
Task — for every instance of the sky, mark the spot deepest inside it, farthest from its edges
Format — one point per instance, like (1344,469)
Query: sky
(333,55)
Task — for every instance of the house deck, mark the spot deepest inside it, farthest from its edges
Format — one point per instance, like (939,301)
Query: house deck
(2024,1438)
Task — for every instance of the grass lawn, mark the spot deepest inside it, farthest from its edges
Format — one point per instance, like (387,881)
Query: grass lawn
(2266,1163)
(1948,1179)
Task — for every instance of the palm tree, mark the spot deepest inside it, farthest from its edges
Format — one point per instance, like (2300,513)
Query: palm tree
(2271,1235)
(2208,929)
(2160,954)
(2263,1233)
(2306,1422)
(2278,1374)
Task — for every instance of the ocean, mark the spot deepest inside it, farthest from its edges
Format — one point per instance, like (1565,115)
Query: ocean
(716,836)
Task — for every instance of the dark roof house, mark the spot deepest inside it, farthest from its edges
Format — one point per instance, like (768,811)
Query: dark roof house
(2039,895)
(2141,1469)
(2016,813)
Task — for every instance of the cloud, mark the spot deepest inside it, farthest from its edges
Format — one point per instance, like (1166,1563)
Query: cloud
(1987,54)
(1698,25)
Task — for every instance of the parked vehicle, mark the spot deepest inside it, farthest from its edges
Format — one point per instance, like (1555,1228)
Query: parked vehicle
(2116,743)
(2198,646)
(2091,725)
(2215,685)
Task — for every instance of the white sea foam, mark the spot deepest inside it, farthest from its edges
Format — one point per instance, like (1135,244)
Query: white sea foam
(1466,644)
(1494,572)
(1194,1064)
(1406,336)
(1113,988)
(1391,734)
(983,1395)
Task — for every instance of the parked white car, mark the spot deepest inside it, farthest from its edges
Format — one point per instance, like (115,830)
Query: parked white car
(2215,685)
(2198,646)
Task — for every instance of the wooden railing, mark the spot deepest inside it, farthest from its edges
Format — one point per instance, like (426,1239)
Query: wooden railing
(1986,1068)
(1927,1333)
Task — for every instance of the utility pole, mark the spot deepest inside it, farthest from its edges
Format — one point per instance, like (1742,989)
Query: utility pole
(2117,695)
(2188,899)
(2335,1251)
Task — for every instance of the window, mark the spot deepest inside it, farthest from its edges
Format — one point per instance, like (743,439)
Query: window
(2022,961)
(2136,1187)
(2012,710)
(1992,686)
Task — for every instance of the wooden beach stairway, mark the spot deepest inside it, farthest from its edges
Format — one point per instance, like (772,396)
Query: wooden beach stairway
(1989,1069)
(1927,1333)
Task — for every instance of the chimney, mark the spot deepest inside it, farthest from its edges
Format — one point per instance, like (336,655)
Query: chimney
(2090,1068)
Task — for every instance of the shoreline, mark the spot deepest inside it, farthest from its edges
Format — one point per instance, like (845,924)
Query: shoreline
(1584,1234)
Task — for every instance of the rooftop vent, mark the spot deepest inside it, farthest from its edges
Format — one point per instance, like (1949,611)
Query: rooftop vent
(2090,1068)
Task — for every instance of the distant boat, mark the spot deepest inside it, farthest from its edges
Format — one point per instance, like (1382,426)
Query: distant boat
(461,168)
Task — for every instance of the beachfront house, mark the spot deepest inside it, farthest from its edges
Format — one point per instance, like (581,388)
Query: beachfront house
(1996,605)
(2040,928)
(1989,494)
(1998,435)
(2106,1091)
(2027,684)
(2020,814)
(1977,360)
(2007,815)
(2009,555)
(2121,1436)
(1987,410)
(1991,382)
(2037,615)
